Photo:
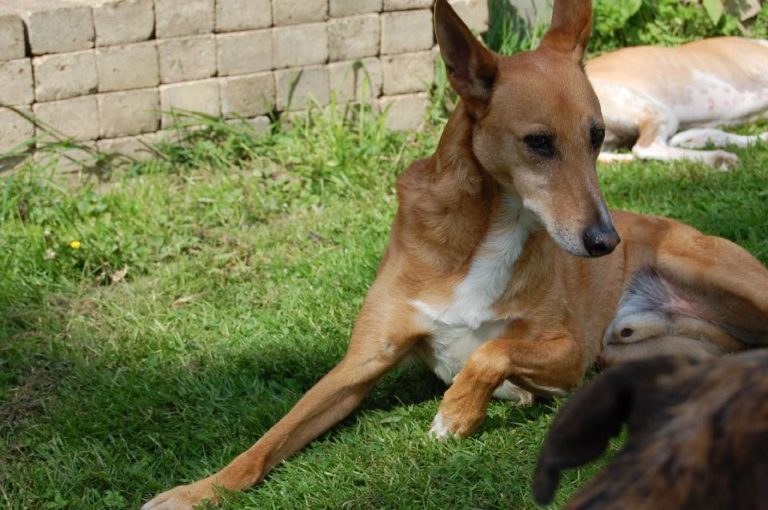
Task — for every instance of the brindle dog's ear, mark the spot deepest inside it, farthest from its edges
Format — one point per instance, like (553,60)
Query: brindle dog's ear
(471,67)
(596,413)
(571,28)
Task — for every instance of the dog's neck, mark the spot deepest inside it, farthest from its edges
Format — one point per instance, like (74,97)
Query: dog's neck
(450,205)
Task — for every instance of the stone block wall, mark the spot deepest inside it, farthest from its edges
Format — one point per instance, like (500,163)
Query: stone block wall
(106,72)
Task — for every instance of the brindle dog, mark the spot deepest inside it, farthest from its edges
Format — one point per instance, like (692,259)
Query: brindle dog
(698,436)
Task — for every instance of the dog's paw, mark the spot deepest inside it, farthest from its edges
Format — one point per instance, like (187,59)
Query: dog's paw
(183,497)
(440,429)
(723,160)
(447,425)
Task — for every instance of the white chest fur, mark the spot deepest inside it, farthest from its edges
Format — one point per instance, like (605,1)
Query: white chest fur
(469,319)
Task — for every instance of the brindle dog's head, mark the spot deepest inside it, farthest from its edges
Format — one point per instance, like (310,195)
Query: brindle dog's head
(536,123)
(698,436)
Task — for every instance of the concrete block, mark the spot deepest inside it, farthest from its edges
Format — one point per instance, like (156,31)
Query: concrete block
(248,95)
(236,15)
(353,37)
(408,31)
(16,80)
(139,148)
(76,118)
(244,52)
(186,58)
(404,113)
(474,13)
(13,43)
(178,18)
(68,161)
(14,128)
(294,12)
(260,125)
(403,5)
(300,45)
(123,21)
(196,96)
(356,80)
(408,72)
(340,8)
(129,113)
(65,75)
(127,67)
(298,89)
(55,26)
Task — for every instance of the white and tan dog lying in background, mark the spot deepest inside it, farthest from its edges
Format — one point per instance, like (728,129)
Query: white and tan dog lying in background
(648,94)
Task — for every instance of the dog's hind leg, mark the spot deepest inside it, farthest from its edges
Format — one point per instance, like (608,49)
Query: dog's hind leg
(658,127)
(616,353)
(699,138)
(729,285)
(383,336)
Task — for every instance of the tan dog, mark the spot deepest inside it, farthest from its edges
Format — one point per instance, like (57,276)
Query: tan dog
(490,275)
(648,93)
(698,433)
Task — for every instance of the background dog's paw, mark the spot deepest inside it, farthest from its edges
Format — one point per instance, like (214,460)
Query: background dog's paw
(724,160)
(183,497)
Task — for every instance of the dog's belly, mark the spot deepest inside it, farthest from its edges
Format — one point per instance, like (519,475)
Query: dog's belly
(710,100)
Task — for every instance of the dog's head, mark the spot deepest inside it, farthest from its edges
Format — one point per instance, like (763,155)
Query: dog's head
(697,435)
(536,123)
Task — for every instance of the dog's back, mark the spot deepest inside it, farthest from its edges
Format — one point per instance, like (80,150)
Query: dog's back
(698,436)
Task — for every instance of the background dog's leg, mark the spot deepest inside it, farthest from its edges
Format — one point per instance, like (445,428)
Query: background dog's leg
(380,341)
(613,157)
(655,131)
(552,366)
(698,138)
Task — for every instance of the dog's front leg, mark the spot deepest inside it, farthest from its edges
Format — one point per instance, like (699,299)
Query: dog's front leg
(383,335)
(547,366)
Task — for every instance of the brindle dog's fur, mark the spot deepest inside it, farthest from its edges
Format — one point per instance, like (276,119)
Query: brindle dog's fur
(698,436)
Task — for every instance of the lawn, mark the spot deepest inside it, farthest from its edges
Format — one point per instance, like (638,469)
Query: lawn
(211,288)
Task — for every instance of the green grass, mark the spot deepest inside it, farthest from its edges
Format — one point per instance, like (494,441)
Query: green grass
(247,260)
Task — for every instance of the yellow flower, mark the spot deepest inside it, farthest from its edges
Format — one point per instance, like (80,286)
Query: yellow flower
(75,245)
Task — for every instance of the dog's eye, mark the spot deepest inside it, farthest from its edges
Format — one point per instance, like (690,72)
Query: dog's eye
(543,145)
(598,135)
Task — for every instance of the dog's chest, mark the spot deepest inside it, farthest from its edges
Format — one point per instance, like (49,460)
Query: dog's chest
(471,318)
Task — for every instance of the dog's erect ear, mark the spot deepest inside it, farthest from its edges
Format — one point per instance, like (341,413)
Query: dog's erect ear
(596,413)
(471,67)
(570,29)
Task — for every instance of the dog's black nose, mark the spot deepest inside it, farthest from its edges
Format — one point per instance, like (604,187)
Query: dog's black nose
(600,239)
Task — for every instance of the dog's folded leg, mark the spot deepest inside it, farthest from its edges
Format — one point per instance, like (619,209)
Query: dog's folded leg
(729,285)
(655,131)
(699,138)
(615,157)
(546,366)
(382,337)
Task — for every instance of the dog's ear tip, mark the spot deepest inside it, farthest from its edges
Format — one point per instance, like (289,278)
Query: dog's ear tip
(545,482)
